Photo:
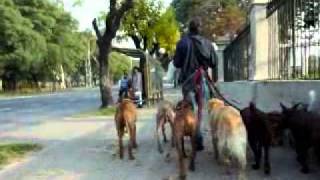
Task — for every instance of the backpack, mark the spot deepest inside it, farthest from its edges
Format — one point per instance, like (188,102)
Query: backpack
(200,53)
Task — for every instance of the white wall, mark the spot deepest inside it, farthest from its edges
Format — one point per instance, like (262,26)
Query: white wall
(268,94)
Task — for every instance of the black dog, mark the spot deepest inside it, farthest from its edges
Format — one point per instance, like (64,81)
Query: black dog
(305,129)
(261,128)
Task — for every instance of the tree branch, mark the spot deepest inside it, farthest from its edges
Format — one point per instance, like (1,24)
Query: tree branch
(126,5)
(96,61)
(136,41)
(96,29)
(113,4)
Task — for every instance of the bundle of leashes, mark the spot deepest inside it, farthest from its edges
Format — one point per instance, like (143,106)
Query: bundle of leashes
(207,86)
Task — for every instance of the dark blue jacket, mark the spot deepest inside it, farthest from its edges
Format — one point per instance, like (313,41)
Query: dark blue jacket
(192,52)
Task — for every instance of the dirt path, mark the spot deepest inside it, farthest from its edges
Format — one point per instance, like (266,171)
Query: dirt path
(86,149)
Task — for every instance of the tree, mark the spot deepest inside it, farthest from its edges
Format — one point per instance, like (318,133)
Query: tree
(39,42)
(19,45)
(150,26)
(139,22)
(112,24)
(166,31)
(215,15)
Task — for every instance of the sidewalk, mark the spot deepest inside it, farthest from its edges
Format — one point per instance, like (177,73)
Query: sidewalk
(86,148)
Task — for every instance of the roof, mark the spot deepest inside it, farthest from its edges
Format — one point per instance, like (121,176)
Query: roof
(135,53)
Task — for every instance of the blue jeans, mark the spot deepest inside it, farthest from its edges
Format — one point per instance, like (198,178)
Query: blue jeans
(199,138)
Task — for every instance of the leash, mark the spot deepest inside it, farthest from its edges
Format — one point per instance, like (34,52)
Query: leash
(201,78)
(215,89)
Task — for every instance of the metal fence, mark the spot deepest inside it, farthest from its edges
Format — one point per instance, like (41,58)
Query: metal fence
(294,39)
(236,57)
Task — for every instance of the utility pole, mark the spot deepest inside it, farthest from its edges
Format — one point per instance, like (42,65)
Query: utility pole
(88,72)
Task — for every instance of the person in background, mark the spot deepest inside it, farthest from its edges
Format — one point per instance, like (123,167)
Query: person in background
(124,86)
(194,55)
(137,84)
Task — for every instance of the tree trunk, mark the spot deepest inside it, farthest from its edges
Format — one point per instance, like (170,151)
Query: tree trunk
(9,84)
(63,80)
(105,85)
(113,20)
(35,82)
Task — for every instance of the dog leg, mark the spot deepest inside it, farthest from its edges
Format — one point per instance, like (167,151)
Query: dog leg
(182,170)
(302,151)
(158,135)
(242,162)
(131,141)
(194,153)
(120,135)
(267,167)
(257,151)
(135,145)
(172,135)
(215,148)
(182,148)
(163,127)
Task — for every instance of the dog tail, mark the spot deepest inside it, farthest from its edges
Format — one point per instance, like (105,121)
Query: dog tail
(312,100)
(233,143)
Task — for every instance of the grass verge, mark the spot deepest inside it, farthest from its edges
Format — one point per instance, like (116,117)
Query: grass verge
(110,111)
(11,152)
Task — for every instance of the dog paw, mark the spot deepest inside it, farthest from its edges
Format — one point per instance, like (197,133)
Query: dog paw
(255,166)
(267,169)
(305,170)
(192,167)
(182,177)
(132,158)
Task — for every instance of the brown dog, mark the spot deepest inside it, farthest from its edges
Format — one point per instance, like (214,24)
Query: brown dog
(185,124)
(125,118)
(165,114)
(229,135)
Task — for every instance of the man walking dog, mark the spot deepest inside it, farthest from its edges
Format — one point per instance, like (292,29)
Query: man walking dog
(194,55)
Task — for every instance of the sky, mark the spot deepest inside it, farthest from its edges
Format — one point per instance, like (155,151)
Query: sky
(89,10)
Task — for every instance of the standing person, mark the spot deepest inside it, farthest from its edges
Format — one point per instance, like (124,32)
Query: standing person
(194,55)
(137,84)
(124,86)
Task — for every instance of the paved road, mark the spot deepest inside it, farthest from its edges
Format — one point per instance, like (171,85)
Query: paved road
(34,109)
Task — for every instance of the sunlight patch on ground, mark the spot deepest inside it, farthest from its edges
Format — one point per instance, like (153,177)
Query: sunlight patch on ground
(63,130)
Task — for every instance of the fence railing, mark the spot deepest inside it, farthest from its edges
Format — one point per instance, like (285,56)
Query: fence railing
(236,57)
(294,39)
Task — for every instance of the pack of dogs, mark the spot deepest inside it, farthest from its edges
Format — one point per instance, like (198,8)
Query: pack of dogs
(232,132)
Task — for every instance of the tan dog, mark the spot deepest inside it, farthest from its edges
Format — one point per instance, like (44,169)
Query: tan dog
(185,124)
(165,114)
(229,135)
(125,118)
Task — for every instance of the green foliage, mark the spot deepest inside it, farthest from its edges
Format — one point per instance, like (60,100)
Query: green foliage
(140,20)
(37,38)
(118,64)
(20,44)
(148,23)
(110,111)
(9,152)
(219,17)
(167,30)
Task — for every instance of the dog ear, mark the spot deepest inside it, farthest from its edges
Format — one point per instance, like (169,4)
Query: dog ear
(283,107)
(252,106)
(294,107)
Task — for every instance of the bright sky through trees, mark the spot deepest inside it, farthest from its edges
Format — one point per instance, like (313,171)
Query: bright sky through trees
(89,10)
